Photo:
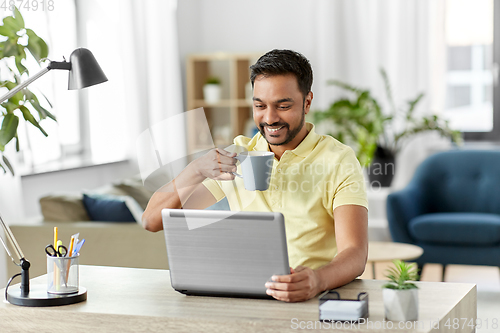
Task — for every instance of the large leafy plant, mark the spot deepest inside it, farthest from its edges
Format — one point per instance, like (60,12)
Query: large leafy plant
(361,122)
(18,42)
(400,274)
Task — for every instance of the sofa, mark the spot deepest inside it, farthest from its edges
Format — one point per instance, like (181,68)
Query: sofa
(112,238)
(107,243)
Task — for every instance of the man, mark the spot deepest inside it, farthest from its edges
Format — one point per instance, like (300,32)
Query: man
(316,183)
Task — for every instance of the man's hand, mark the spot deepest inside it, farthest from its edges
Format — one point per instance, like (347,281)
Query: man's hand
(302,284)
(216,164)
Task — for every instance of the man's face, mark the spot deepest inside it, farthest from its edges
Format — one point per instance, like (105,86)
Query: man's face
(279,109)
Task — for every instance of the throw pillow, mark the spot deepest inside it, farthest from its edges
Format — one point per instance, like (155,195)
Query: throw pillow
(134,188)
(63,208)
(110,208)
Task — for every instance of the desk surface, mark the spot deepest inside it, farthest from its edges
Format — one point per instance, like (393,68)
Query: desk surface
(138,300)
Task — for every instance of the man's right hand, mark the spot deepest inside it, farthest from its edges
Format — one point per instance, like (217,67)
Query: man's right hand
(217,164)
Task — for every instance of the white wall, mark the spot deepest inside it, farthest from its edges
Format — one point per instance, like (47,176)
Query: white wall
(246,26)
(260,26)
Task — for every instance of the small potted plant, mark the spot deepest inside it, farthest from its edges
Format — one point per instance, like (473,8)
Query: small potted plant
(212,90)
(401,296)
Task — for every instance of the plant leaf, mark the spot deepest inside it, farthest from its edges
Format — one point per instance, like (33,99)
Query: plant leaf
(412,104)
(29,117)
(19,18)
(4,31)
(388,89)
(10,47)
(50,104)
(8,129)
(36,45)
(17,142)
(10,23)
(400,273)
(7,163)
(20,67)
(43,113)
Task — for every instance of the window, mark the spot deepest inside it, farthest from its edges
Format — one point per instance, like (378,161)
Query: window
(57,27)
(473,57)
(106,134)
(91,122)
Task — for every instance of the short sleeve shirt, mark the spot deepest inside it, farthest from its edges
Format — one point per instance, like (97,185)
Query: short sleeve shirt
(306,185)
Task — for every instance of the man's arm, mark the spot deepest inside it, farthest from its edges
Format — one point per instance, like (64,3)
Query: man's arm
(351,230)
(187,190)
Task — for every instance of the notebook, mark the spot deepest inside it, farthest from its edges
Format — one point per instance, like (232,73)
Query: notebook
(224,253)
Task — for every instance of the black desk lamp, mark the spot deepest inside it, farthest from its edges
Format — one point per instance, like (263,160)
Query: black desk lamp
(84,71)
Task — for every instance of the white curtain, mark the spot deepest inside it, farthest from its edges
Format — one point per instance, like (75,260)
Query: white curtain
(406,38)
(153,76)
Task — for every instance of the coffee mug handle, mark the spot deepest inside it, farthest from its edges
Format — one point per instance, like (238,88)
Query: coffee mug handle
(238,157)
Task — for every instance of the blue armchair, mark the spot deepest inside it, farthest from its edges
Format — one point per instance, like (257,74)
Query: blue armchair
(451,209)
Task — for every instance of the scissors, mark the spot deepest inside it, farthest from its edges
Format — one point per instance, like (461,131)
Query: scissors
(61,251)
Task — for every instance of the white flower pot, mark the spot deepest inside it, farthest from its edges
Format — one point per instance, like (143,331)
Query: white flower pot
(400,305)
(211,93)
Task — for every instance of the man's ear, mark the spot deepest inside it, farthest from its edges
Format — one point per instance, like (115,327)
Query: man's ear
(308,102)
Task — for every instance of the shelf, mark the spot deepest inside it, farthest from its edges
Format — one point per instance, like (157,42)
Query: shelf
(229,117)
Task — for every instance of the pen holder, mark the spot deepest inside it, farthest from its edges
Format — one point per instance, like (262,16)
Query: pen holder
(62,275)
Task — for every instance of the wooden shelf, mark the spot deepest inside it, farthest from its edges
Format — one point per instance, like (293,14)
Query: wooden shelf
(228,117)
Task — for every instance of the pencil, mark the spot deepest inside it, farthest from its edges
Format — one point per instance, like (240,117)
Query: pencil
(56,276)
(71,244)
(55,237)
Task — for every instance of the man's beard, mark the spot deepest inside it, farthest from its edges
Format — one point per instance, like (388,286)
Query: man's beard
(290,134)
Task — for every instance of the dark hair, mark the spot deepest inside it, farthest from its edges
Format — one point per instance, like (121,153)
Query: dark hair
(282,62)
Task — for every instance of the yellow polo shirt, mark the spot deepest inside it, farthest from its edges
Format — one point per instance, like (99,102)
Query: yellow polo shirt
(306,185)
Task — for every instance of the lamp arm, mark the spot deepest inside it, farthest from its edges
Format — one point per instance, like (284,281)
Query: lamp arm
(53,65)
(23,85)
(25,264)
(13,241)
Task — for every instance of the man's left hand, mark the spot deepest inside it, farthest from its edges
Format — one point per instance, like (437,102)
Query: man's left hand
(302,284)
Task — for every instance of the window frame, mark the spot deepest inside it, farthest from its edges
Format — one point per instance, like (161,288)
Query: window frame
(494,134)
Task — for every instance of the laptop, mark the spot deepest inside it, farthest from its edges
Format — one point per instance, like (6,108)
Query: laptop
(224,253)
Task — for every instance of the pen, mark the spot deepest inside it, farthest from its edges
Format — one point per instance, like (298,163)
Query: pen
(73,241)
(57,268)
(79,246)
(69,254)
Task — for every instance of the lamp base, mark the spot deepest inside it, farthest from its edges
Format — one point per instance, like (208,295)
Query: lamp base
(39,296)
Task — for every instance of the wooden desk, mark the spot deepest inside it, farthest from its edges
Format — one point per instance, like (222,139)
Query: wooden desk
(389,251)
(142,300)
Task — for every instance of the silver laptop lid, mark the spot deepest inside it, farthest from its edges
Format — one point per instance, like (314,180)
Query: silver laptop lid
(223,252)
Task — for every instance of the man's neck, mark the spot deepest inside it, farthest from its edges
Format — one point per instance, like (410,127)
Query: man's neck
(280,150)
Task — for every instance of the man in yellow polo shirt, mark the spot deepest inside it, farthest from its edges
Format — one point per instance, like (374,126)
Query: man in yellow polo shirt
(316,183)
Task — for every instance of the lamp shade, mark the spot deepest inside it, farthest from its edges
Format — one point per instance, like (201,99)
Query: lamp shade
(85,71)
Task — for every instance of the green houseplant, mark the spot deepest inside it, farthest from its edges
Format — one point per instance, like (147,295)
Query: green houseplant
(378,136)
(400,295)
(17,42)
(212,90)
